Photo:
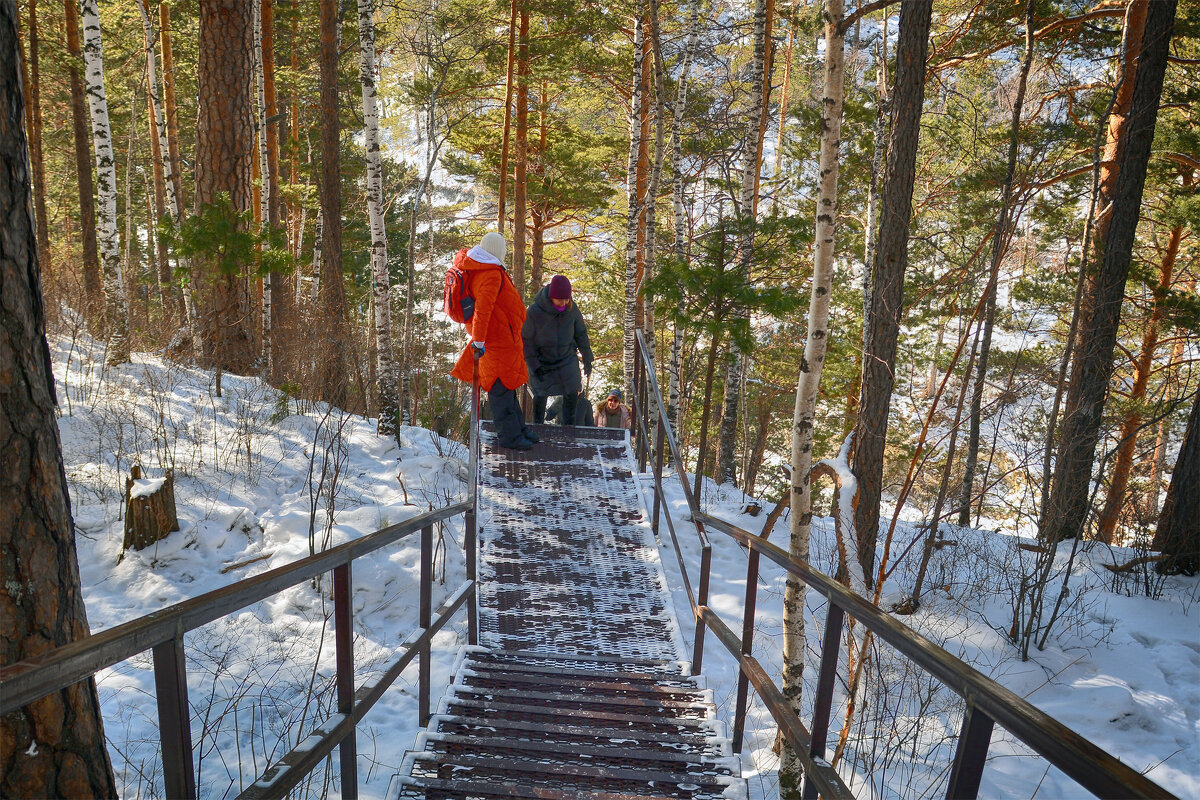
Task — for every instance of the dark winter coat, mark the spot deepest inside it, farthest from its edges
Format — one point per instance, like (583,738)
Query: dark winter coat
(551,339)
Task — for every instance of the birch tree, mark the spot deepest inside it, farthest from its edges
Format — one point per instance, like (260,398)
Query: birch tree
(264,194)
(83,165)
(805,412)
(115,310)
(385,368)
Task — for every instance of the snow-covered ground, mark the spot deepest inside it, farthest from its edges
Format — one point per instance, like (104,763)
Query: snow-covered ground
(1120,668)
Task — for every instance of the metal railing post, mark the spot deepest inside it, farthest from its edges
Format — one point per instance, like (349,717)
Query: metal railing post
(426,613)
(174,718)
(343,637)
(658,468)
(743,690)
(970,755)
(823,699)
(701,602)
(471,519)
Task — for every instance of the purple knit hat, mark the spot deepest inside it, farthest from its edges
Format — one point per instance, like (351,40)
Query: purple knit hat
(560,288)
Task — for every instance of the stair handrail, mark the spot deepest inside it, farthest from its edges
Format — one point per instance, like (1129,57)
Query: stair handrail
(26,681)
(987,702)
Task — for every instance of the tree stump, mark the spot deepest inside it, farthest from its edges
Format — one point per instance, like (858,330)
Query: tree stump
(149,509)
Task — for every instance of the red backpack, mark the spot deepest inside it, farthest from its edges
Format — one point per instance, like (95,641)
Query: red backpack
(457,300)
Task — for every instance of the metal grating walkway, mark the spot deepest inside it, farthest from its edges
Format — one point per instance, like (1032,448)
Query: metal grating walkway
(577,689)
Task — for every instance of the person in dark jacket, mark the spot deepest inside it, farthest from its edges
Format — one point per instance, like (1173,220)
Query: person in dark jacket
(553,331)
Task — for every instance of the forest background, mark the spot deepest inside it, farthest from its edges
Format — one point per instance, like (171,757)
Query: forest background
(1009,330)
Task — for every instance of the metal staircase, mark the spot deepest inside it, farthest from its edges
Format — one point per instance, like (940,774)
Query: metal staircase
(578,688)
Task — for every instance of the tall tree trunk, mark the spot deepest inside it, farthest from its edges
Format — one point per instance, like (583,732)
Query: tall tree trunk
(37,162)
(165,288)
(655,174)
(172,119)
(385,369)
(1150,509)
(783,96)
(164,185)
(680,246)
(891,259)
(508,97)
(333,293)
(1178,533)
(264,191)
(747,223)
(521,164)
(1068,506)
(633,219)
(83,167)
(1000,238)
(282,300)
(809,382)
(55,746)
(115,314)
(1132,423)
(224,154)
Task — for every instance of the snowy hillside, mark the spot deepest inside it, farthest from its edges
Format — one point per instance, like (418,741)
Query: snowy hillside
(261,479)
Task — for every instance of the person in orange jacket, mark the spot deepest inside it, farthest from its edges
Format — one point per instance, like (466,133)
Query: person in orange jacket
(495,330)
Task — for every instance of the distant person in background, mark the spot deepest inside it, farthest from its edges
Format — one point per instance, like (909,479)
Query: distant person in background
(498,315)
(612,413)
(553,333)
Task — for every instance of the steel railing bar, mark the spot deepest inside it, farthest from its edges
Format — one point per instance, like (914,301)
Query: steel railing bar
(425,617)
(739,714)
(701,603)
(343,639)
(174,719)
(826,678)
(25,681)
(1088,765)
(687,583)
(271,785)
(827,780)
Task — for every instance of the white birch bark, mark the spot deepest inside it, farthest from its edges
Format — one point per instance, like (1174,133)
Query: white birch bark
(675,403)
(811,365)
(315,289)
(656,166)
(735,367)
(880,145)
(635,209)
(174,208)
(264,192)
(385,369)
(116,316)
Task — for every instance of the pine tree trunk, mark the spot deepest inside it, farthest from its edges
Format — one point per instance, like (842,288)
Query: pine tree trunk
(811,364)
(1000,239)
(37,162)
(336,366)
(521,160)
(680,246)
(1178,533)
(633,219)
(224,155)
(55,746)
(1068,505)
(115,313)
(752,155)
(380,285)
(1132,423)
(891,258)
(83,167)
(508,98)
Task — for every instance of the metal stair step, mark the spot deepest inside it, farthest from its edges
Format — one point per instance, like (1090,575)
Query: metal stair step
(660,706)
(668,678)
(439,789)
(553,683)
(574,714)
(546,771)
(527,656)
(621,752)
(668,741)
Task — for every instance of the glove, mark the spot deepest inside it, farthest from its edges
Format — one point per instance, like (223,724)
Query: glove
(478,348)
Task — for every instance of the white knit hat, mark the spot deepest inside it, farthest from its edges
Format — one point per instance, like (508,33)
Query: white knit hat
(494,243)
